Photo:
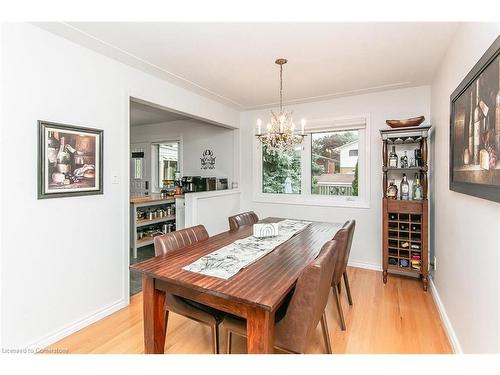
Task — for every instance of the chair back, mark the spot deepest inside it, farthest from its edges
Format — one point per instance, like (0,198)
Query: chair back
(242,219)
(309,300)
(179,239)
(344,237)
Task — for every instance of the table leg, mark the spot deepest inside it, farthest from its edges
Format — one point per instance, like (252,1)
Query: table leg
(154,316)
(260,331)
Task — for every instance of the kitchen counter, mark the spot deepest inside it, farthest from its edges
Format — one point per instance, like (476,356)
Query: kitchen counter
(148,198)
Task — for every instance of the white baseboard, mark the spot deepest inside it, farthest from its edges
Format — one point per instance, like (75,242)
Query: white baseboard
(365,265)
(450,332)
(78,325)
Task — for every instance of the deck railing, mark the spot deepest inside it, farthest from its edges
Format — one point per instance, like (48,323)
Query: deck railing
(342,190)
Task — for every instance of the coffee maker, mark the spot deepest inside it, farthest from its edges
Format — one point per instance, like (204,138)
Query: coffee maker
(192,184)
(187,184)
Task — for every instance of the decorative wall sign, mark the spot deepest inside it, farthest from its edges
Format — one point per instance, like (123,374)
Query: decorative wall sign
(208,160)
(69,160)
(475,129)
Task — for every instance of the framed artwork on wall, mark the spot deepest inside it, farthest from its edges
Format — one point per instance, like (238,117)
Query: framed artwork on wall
(475,129)
(69,160)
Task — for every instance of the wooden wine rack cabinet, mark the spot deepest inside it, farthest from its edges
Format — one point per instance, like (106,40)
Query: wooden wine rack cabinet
(405,223)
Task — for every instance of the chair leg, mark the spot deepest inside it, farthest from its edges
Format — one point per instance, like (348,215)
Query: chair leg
(339,307)
(229,339)
(339,288)
(347,288)
(326,334)
(215,338)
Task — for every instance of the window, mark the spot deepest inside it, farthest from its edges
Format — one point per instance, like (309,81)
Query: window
(281,172)
(138,158)
(333,164)
(167,158)
(330,167)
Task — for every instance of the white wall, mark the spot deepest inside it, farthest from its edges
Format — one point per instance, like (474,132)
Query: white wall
(212,208)
(196,138)
(64,261)
(366,250)
(467,243)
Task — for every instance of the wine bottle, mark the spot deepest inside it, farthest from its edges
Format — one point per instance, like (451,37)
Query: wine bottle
(417,188)
(477,126)
(63,158)
(471,132)
(52,148)
(404,161)
(393,158)
(405,188)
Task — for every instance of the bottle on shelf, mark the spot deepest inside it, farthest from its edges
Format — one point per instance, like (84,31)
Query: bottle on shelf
(403,263)
(404,161)
(418,157)
(405,188)
(477,126)
(417,188)
(415,262)
(63,158)
(393,158)
(392,190)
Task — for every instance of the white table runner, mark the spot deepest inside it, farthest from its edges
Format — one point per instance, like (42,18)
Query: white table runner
(229,260)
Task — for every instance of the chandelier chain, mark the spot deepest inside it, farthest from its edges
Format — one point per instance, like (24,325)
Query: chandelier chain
(281,88)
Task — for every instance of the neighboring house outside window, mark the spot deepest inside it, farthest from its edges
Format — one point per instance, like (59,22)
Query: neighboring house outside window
(330,167)
(336,165)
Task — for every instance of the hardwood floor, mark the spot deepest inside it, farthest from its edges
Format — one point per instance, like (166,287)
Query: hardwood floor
(396,318)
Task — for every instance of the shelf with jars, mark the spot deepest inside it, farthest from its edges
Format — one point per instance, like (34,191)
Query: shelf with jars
(150,216)
(405,202)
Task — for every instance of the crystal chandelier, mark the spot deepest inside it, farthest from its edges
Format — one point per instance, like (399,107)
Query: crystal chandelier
(281,135)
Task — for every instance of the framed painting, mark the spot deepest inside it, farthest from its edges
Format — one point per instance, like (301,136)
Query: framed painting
(69,160)
(475,129)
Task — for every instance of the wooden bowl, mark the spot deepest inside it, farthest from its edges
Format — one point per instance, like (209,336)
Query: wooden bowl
(414,121)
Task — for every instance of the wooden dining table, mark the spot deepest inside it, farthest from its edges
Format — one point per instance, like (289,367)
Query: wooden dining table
(254,293)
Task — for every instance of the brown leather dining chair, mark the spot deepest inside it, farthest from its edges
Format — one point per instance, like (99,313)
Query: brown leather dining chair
(183,306)
(344,237)
(242,219)
(306,307)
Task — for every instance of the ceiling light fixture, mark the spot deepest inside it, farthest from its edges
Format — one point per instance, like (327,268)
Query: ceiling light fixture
(281,135)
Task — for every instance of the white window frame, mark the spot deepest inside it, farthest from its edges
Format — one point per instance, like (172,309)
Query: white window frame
(154,160)
(305,198)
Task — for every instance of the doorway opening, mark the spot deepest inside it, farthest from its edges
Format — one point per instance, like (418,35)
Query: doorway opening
(169,152)
(155,159)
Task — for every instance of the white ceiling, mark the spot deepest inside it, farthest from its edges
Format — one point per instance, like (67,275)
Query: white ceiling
(143,114)
(234,62)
